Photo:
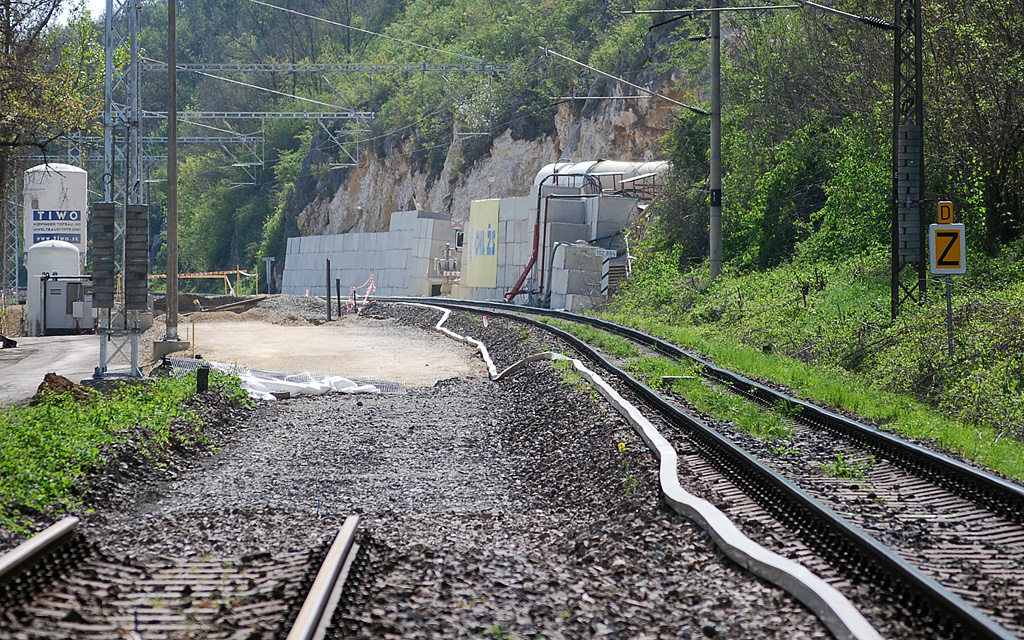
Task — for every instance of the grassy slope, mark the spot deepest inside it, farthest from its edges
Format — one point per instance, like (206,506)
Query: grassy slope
(824,331)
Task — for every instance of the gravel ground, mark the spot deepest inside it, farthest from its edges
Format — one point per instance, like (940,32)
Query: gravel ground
(489,510)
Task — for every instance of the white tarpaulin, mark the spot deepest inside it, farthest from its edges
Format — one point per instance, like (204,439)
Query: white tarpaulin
(263,384)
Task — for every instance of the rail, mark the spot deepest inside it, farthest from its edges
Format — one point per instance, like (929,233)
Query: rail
(832,535)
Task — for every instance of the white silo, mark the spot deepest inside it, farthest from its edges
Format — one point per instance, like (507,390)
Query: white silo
(56,205)
(48,297)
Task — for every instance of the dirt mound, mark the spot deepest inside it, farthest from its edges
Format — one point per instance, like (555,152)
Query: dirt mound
(54,384)
(191,302)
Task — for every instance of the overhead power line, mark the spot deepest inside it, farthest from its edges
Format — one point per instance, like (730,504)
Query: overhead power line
(272,91)
(692,108)
(263,115)
(373,33)
(342,67)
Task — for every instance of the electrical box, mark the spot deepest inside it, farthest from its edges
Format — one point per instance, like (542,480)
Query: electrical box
(67,307)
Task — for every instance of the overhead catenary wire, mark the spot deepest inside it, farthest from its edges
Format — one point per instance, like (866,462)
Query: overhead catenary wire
(259,88)
(366,31)
(692,108)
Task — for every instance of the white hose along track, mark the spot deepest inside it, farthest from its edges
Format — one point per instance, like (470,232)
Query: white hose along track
(833,608)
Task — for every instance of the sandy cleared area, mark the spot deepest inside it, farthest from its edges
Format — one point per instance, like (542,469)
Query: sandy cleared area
(353,346)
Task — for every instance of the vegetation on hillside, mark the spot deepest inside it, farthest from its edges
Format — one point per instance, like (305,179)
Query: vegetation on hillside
(824,329)
(807,113)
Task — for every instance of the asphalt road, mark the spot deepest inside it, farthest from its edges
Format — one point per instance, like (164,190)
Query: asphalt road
(22,369)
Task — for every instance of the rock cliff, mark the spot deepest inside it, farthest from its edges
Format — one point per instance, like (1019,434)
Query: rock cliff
(627,129)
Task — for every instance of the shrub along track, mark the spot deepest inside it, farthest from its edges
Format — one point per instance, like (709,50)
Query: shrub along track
(957,527)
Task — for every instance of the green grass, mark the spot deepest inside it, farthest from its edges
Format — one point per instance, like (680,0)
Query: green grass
(572,379)
(716,402)
(607,342)
(840,467)
(47,450)
(839,388)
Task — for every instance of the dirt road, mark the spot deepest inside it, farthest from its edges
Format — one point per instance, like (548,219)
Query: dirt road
(281,333)
(354,347)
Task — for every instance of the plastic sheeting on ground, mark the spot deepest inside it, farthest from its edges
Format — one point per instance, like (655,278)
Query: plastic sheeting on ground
(264,384)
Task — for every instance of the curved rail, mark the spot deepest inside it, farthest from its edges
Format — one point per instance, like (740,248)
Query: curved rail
(848,546)
(832,608)
(998,494)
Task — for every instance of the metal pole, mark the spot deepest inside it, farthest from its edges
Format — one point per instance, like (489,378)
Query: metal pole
(715,232)
(895,231)
(328,290)
(337,289)
(949,315)
(110,44)
(172,175)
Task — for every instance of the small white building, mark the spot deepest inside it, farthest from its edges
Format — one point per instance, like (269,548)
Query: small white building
(59,297)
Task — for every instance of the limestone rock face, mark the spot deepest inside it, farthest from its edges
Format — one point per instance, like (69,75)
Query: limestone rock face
(627,129)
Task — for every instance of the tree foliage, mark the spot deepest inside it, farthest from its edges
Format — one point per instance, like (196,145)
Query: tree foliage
(50,76)
(807,112)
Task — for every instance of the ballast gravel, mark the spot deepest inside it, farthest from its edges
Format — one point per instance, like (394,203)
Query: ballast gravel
(524,508)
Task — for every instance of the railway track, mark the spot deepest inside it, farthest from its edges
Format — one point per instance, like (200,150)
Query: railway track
(938,538)
(59,585)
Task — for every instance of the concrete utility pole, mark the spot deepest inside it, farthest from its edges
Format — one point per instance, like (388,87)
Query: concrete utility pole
(171,333)
(715,252)
(171,341)
(715,231)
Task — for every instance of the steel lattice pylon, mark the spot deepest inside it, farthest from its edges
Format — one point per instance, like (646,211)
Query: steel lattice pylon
(10,237)
(908,248)
(119,322)
(122,149)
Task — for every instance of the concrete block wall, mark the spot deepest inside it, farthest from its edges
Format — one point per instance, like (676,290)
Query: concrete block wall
(400,259)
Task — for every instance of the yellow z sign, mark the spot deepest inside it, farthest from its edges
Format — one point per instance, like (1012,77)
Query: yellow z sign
(948,250)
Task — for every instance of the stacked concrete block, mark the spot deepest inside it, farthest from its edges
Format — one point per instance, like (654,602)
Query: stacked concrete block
(560,210)
(565,232)
(575,277)
(614,213)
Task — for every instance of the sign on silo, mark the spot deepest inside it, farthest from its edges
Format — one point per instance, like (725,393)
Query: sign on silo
(56,205)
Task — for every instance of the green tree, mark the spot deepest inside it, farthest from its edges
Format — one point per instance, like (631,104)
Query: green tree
(975,100)
(50,76)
